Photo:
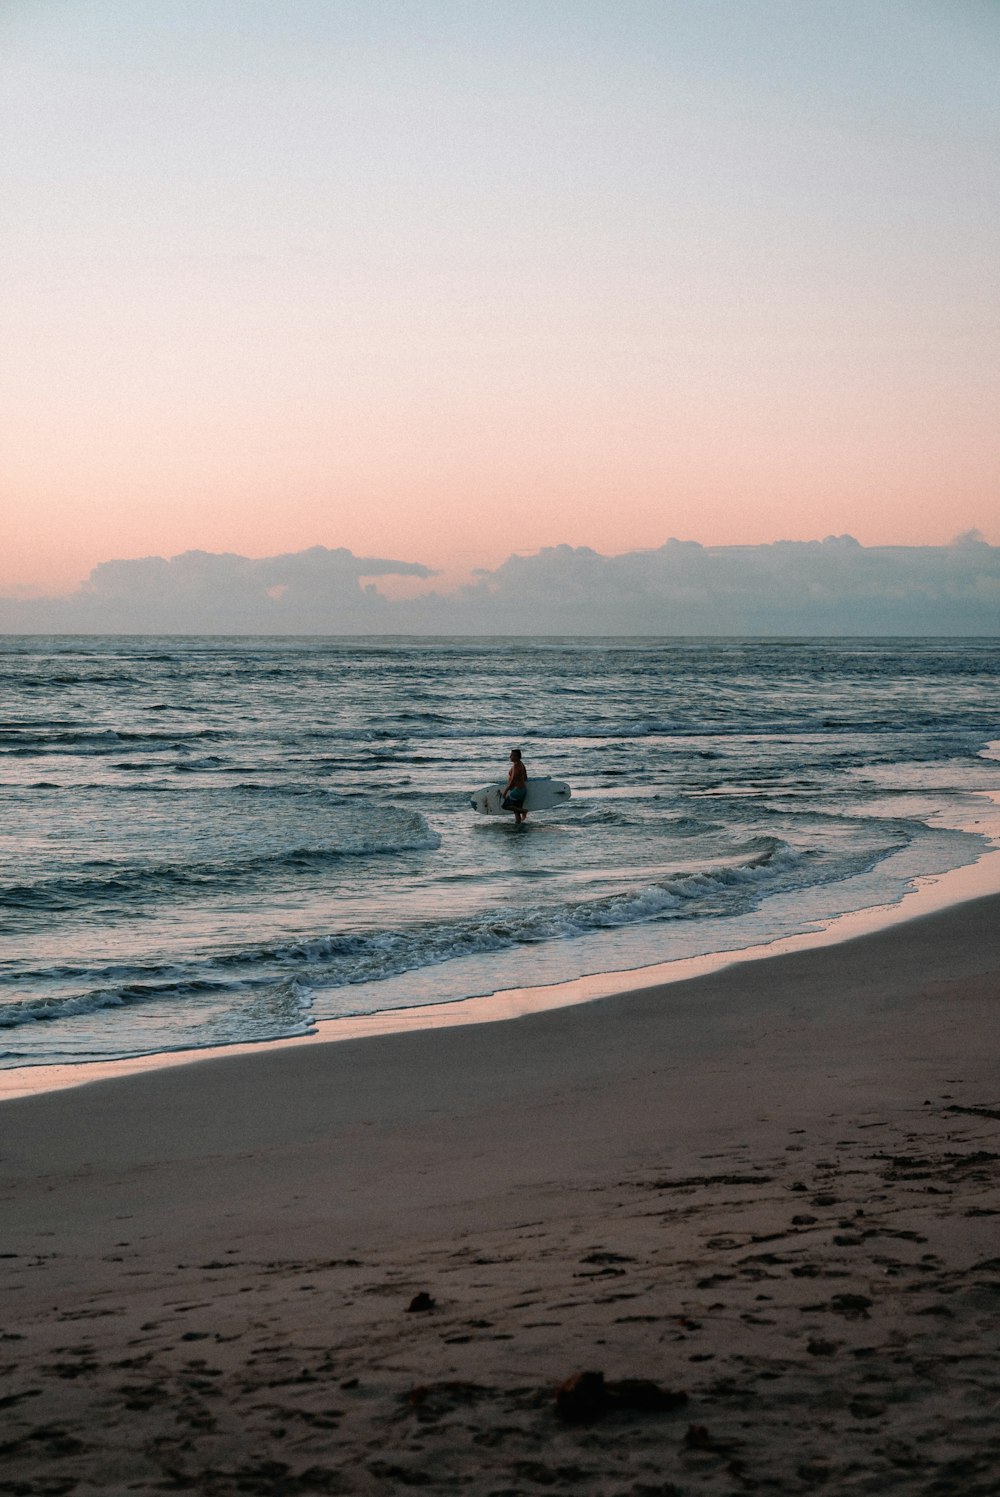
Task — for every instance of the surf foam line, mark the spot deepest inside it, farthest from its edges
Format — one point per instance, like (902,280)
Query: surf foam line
(343,960)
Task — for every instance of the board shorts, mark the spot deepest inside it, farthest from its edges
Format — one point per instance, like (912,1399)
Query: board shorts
(515,797)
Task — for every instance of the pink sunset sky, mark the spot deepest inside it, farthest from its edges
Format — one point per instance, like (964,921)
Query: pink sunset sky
(446,279)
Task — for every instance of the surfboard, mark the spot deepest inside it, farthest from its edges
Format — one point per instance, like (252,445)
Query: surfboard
(543,795)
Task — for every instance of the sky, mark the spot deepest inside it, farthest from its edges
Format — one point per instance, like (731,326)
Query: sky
(450,280)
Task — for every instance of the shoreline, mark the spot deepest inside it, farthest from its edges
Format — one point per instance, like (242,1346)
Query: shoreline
(929,894)
(764,1210)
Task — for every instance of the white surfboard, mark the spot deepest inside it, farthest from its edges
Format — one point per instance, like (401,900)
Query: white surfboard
(542,795)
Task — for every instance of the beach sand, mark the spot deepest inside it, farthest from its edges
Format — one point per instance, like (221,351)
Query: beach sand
(764,1204)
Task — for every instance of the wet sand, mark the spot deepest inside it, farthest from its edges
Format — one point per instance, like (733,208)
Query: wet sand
(366,1267)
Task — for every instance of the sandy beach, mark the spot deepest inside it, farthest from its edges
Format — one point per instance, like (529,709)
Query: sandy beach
(761,1204)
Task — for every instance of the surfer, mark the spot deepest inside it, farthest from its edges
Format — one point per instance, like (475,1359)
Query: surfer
(516,788)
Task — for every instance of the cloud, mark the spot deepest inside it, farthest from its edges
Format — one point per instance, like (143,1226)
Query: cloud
(203,592)
(833,586)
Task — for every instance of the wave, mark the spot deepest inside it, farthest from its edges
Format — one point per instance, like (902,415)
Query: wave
(348,959)
(241,990)
(51,1010)
(405,736)
(30,742)
(640,812)
(127,884)
(18,679)
(725,889)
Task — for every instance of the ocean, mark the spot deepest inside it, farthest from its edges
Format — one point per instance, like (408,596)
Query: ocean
(210,841)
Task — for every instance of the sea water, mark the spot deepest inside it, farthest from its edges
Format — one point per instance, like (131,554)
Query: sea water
(208,841)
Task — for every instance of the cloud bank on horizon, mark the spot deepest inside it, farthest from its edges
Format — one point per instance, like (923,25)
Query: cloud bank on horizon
(831,587)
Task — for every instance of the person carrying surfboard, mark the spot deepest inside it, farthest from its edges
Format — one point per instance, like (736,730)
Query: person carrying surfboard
(516,788)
